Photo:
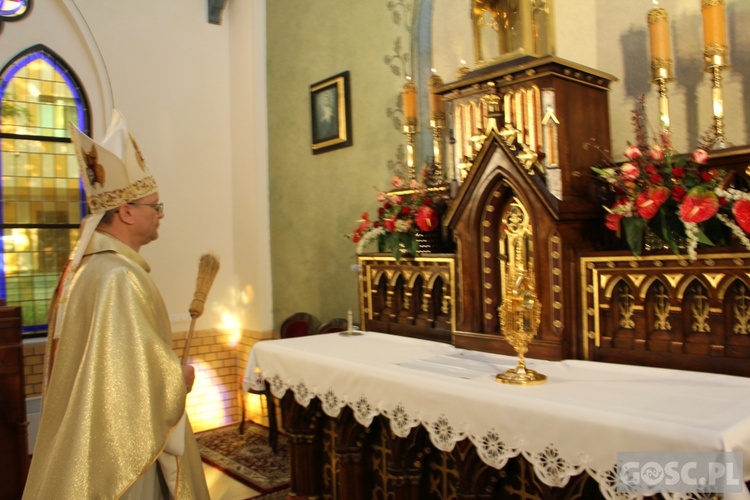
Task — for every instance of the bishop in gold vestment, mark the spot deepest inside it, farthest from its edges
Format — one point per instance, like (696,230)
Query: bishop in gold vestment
(116,389)
(113,421)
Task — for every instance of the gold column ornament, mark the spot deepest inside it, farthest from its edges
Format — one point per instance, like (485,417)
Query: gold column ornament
(661,60)
(409,98)
(716,60)
(494,110)
(437,122)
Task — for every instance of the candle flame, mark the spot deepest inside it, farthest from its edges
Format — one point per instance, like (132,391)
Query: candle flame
(463,61)
(655,2)
(408,78)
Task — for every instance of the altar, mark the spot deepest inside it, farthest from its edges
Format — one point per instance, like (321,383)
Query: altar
(382,416)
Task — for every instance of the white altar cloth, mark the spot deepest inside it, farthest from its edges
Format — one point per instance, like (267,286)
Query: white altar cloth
(577,421)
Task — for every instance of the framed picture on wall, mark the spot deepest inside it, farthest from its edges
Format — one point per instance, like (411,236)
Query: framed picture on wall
(330,111)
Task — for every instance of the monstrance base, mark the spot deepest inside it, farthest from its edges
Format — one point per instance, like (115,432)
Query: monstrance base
(521,376)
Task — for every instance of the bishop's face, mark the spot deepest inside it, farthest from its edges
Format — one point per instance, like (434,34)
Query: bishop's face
(148,213)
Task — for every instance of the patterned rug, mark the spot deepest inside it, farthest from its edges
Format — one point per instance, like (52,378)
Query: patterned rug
(247,457)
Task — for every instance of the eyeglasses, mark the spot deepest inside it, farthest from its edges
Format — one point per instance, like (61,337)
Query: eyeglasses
(159,207)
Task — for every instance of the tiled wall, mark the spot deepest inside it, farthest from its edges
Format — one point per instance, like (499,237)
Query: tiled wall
(219,359)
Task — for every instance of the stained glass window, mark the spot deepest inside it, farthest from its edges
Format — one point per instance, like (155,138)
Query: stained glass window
(10,9)
(41,197)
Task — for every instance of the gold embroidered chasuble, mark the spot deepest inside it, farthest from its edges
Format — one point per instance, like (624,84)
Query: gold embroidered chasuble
(116,388)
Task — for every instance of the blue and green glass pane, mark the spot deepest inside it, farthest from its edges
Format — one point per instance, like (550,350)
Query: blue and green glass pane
(10,10)
(39,183)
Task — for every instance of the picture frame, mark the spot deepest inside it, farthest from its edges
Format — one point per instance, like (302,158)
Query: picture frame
(330,112)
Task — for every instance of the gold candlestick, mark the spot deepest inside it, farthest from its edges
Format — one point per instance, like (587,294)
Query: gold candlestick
(437,122)
(410,129)
(409,99)
(716,59)
(661,60)
(715,64)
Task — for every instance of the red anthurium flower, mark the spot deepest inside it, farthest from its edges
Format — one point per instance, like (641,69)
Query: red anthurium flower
(612,221)
(656,179)
(426,218)
(648,202)
(405,211)
(741,212)
(699,205)
(678,172)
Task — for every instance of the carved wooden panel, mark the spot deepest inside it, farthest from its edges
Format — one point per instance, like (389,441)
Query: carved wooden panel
(662,310)
(414,297)
(337,458)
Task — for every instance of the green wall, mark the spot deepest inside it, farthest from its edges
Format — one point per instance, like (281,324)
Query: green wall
(316,199)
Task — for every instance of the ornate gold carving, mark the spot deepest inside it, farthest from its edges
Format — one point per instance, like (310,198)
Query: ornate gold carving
(637,279)
(711,3)
(714,278)
(699,309)
(625,304)
(673,279)
(741,309)
(661,308)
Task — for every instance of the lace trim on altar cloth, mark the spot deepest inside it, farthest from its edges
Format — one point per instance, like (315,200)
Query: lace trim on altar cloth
(549,465)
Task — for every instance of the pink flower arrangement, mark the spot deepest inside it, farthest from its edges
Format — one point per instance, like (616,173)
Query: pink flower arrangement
(412,206)
(680,199)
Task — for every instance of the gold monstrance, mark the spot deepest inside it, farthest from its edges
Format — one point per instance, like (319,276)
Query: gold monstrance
(520,315)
